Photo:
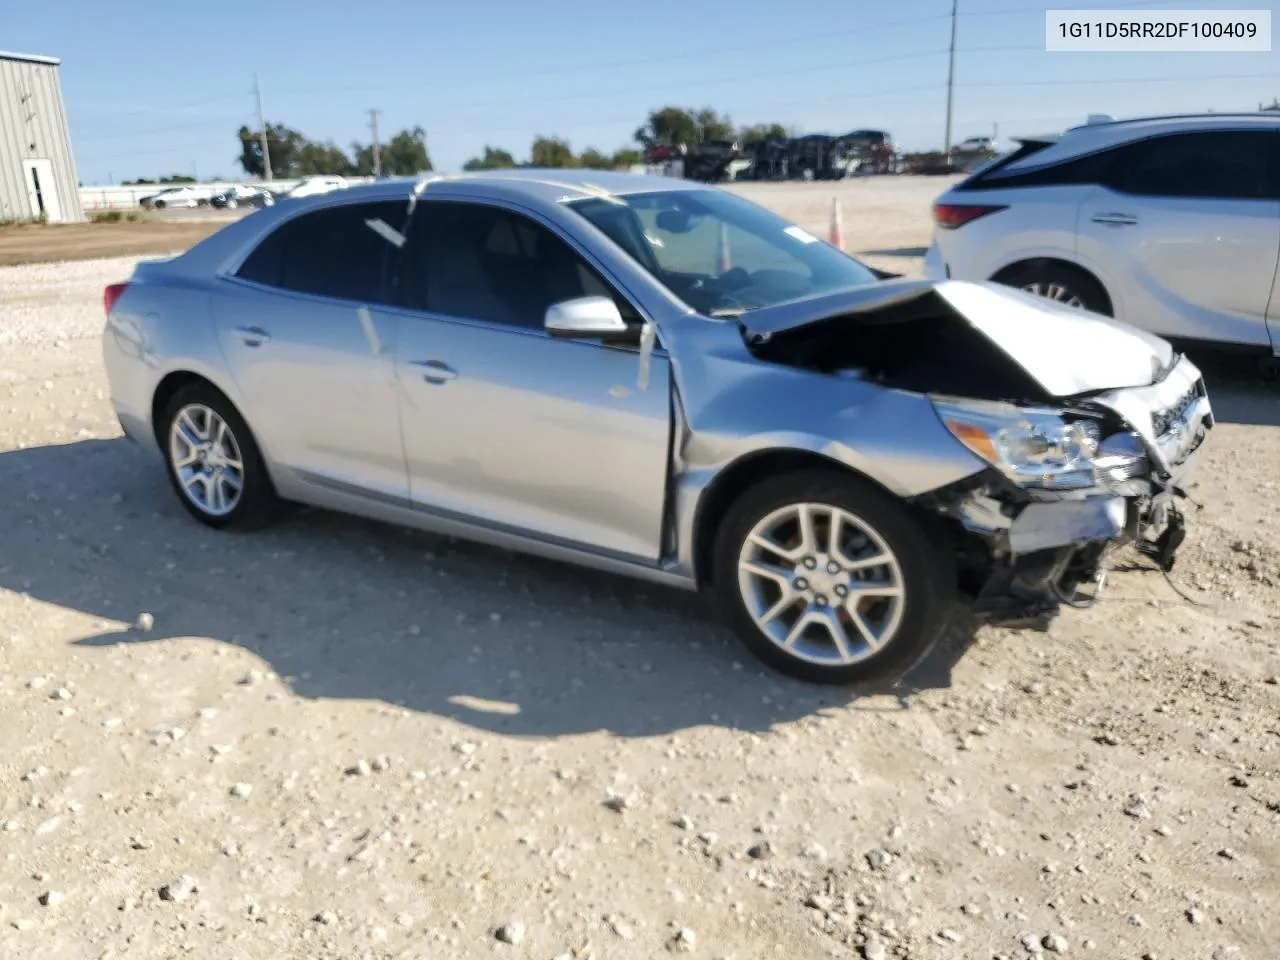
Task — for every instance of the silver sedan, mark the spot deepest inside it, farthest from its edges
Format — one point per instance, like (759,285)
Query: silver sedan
(666,381)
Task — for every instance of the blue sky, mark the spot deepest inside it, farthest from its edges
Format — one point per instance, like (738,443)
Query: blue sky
(156,87)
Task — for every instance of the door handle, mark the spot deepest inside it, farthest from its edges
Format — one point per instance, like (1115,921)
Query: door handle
(253,336)
(1119,219)
(436,371)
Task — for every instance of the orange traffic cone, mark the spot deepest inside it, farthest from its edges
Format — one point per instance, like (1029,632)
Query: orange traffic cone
(836,238)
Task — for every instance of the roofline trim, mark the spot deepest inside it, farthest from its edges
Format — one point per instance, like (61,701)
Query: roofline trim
(30,58)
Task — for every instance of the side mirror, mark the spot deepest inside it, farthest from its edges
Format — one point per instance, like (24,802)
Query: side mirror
(587,318)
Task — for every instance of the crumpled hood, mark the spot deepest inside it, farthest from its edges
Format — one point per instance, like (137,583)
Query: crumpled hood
(1067,351)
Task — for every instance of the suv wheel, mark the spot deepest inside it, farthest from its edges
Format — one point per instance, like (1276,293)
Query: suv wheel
(829,579)
(214,463)
(1058,282)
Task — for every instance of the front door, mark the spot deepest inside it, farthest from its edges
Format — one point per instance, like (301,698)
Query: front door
(503,423)
(312,349)
(42,193)
(1190,225)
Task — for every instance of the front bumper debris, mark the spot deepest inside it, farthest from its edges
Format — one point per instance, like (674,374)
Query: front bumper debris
(1030,552)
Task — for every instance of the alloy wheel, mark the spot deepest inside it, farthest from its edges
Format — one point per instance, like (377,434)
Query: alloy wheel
(821,584)
(1055,292)
(206,459)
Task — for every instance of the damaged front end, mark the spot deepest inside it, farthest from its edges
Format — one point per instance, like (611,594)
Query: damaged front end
(1039,533)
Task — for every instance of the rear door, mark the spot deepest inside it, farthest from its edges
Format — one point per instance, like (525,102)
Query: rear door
(303,327)
(1189,224)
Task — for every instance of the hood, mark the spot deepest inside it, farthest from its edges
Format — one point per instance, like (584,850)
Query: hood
(1067,351)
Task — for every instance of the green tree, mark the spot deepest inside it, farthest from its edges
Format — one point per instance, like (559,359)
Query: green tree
(403,155)
(672,126)
(551,152)
(763,131)
(321,158)
(627,157)
(593,159)
(284,144)
(493,159)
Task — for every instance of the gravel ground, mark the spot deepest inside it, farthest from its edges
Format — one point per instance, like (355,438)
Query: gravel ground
(336,739)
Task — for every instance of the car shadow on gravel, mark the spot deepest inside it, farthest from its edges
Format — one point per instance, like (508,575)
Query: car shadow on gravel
(347,609)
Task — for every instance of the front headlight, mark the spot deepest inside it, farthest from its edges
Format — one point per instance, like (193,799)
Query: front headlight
(1032,447)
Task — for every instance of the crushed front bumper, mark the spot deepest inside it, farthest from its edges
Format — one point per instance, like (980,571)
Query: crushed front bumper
(1028,552)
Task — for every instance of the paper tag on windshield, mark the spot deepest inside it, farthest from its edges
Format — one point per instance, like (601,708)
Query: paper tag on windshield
(804,236)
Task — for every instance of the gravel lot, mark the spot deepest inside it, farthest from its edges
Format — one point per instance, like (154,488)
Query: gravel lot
(336,739)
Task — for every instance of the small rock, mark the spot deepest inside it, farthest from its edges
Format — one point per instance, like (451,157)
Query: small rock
(1194,916)
(50,898)
(1035,688)
(326,917)
(971,909)
(146,621)
(62,693)
(360,769)
(250,678)
(242,790)
(1226,853)
(618,802)
(22,924)
(761,851)
(685,940)
(874,950)
(1164,831)
(684,823)
(817,901)
(1031,943)
(879,859)
(1137,808)
(35,683)
(380,763)
(952,936)
(511,933)
(181,889)
(1055,944)
(1239,781)
(231,849)
(1136,921)
(621,928)
(404,919)
(208,713)
(1107,739)
(814,851)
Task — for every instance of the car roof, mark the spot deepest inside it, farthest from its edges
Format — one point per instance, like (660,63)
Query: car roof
(1100,135)
(539,185)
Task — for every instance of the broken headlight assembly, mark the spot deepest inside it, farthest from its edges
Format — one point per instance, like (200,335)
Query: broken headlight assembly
(1039,448)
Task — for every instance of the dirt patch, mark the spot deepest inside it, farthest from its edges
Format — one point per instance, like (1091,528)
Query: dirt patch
(90,241)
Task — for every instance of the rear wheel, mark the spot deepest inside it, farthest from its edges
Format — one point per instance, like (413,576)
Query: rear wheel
(829,579)
(214,463)
(1059,282)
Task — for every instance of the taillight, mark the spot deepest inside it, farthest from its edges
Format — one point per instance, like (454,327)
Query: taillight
(110,295)
(952,215)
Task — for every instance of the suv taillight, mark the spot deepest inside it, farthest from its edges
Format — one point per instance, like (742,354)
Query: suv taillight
(110,294)
(952,215)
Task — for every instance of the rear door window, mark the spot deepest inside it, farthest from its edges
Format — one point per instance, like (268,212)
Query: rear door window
(1226,165)
(334,252)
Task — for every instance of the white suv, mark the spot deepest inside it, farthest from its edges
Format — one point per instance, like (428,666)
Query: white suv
(1167,223)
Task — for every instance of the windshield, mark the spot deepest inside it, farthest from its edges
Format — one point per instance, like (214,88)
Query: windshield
(720,254)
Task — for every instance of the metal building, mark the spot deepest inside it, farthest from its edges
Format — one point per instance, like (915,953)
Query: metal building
(37,170)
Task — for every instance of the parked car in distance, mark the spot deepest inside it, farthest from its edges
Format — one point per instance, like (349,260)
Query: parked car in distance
(1168,223)
(311,186)
(184,196)
(667,381)
(242,196)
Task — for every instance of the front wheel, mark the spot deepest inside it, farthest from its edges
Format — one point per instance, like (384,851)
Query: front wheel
(1061,283)
(829,579)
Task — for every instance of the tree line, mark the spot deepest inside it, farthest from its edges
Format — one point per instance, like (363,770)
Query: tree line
(295,155)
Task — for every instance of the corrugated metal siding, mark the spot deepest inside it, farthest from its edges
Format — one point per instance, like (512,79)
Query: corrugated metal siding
(31,112)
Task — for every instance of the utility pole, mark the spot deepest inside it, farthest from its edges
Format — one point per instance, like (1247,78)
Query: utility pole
(951,77)
(377,156)
(262,128)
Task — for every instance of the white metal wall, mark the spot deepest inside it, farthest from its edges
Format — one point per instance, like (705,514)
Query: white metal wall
(33,125)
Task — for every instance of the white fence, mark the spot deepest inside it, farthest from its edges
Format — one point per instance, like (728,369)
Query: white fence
(125,198)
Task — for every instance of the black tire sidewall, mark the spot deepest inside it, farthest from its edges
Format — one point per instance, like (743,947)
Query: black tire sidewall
(922,548)
(258,502)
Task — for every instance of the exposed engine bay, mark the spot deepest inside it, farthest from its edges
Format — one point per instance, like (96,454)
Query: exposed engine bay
(1028,543)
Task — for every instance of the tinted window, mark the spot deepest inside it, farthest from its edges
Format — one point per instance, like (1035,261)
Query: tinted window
(487,263)
(1087,169)
(1226,164)
(331,252)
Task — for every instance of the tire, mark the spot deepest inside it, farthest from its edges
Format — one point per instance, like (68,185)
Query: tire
(256,503)
(919,563)
(159,204)
(1060,282)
